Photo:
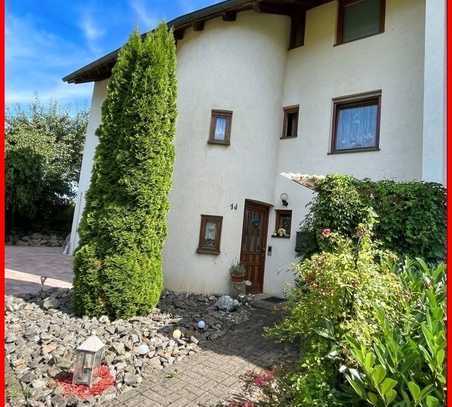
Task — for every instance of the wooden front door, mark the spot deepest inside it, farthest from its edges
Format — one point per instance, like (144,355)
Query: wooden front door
(254,244)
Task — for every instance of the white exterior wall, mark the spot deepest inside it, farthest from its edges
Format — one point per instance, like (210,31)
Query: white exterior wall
(318,72)
(244,66)
(236,66)
(91,141)
(434,149)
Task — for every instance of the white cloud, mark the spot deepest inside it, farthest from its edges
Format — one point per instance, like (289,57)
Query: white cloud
(36,60)
(146,20)
(91,31)
(57,91)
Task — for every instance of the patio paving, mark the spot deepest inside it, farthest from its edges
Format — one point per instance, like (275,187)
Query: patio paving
(25,265)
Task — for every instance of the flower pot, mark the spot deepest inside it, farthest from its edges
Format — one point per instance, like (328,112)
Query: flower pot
(237,278)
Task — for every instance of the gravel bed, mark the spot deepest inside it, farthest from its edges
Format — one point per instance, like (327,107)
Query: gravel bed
(42,334)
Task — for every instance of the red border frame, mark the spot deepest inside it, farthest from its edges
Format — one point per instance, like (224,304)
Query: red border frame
(448,176)
(2,183)
(2,197)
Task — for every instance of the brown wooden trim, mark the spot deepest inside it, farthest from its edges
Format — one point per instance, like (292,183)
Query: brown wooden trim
(179,34)
(202,249)
(356,100)
(198,25)
(230,16)
(227,114)
(297,23)
(287,110)
(340,21)
(259,203)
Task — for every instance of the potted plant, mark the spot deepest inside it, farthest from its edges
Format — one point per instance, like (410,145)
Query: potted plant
(238,272)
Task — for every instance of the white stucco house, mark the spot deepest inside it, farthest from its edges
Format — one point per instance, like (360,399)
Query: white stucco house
(268,86)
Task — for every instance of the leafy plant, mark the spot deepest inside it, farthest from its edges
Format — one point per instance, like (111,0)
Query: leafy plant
(117,266)
(405,364)
(411,214)
(43,152)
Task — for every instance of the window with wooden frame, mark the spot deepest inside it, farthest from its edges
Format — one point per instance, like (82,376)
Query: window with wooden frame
(283,223)
(297,29)
(220,127)
(356,123)
(210,234)
(290,123)
(359,19)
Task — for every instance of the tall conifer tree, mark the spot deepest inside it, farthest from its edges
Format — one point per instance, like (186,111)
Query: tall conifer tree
(118,264)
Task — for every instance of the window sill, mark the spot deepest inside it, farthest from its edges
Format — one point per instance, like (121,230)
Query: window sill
(218,143)
(354,150)
(207,251)
(281,237)
(288,137)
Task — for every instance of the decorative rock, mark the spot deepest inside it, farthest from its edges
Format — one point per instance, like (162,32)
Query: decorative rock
(201,324)
(143,349)
(118,347)
(226,303)
(38,383)
(130,379)
(177,334)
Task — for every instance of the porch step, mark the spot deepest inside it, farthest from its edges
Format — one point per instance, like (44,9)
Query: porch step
(268,302)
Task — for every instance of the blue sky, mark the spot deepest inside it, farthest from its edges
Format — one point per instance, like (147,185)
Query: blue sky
(47,39)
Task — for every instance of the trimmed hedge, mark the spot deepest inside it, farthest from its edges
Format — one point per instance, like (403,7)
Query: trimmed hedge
(411,215)
(118,270)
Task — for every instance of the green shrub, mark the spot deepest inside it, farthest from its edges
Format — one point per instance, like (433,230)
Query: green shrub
(405,365)
(411,214)
(117,266)
(43,152)
(338,294)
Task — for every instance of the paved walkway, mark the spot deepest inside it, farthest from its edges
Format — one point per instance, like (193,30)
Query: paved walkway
(25,265)
(212,375)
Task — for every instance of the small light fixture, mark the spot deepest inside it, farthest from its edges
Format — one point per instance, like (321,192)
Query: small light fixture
(284,198)
(88,361)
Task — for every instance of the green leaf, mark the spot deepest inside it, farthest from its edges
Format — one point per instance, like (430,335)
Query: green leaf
(378,374)
(415,391)
(432,401)
(373,398)
(387,385)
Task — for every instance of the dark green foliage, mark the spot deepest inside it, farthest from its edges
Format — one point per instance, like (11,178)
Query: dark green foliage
(118,268)
(405,365)
(43,151)
(411,214)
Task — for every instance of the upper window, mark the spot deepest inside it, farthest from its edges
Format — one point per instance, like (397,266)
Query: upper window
(290,124)
(220,127)
(297,29)
(359,19)
(210,234)
(356,123)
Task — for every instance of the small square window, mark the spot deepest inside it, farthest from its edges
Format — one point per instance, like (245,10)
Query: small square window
(210,234)
(356,123)
(220,127)
(283,223)
(359,19)
(290,124)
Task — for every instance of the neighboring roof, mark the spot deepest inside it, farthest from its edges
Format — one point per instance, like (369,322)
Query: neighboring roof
(101,68)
